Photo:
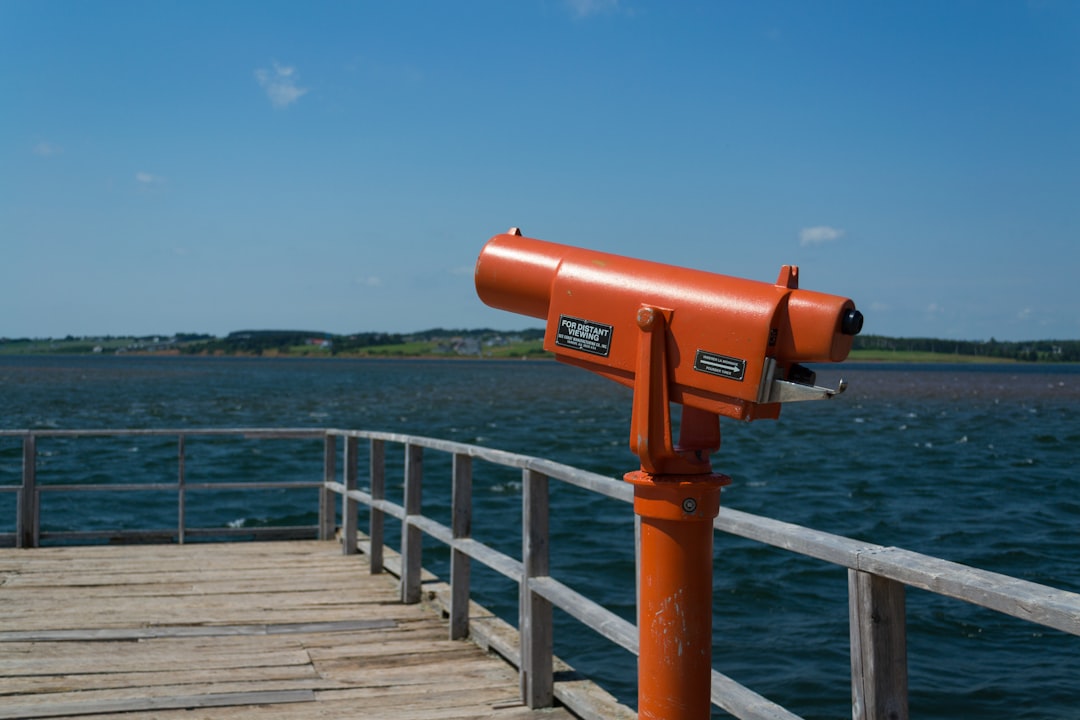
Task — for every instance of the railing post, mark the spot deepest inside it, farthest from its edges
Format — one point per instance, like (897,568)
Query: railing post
(27,521)
(879,679)
(412,537)
(181,490)
(349,506)
(326,496)
(377,482)
(535,617)
(461,527)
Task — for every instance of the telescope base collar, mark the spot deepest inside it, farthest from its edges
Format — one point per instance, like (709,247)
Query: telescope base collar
(687,498)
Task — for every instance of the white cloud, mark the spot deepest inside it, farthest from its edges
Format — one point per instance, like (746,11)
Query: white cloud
(47,149)
(280,85)
(146,179)
(369,281)
(819,235)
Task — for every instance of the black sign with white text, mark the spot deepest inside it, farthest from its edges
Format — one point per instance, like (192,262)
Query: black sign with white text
(722,365)
(584,335)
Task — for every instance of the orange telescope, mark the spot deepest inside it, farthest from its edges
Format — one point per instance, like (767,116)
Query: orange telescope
(717,345)
(733,345)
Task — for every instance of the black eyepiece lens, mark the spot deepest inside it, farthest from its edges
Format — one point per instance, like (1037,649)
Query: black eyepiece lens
(851,323)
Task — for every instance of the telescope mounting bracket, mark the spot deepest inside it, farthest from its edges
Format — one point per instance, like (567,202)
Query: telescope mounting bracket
(650,423)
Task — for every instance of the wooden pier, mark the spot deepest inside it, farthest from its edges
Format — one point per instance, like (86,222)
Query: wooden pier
(234,630)
(303,628)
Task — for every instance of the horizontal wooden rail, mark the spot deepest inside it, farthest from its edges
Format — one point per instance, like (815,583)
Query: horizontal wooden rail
(246,433)
(138,487)
(593,615)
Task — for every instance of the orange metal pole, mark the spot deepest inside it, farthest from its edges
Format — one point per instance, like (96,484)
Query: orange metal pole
(675,603)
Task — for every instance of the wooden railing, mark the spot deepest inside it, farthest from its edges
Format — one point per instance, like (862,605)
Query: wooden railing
(28,530)
(877,576)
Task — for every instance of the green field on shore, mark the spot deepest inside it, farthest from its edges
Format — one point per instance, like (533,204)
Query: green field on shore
(913,356)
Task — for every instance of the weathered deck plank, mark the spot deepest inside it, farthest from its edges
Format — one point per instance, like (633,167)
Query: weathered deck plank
(228,631)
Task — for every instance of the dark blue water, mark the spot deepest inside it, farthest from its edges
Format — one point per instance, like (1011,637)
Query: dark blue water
(976,464)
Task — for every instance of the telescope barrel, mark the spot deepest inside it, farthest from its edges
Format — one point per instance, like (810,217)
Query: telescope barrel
(517,274)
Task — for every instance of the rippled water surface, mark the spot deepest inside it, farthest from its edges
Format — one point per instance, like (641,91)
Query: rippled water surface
(975,464)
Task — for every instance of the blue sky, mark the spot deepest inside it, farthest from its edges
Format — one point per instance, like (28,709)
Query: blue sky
(214,166)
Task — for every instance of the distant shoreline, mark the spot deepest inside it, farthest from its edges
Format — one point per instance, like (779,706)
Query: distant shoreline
(441,344)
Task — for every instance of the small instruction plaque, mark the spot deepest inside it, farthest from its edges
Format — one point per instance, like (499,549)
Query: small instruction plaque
(722,365)
(584,335)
